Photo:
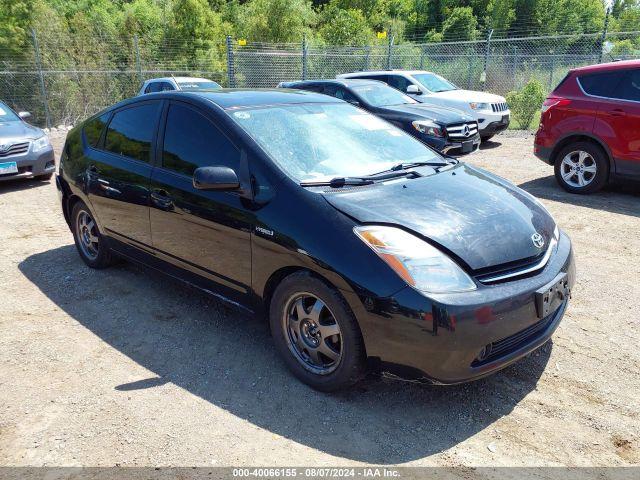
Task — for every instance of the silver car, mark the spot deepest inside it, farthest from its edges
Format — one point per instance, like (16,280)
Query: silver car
(25,150)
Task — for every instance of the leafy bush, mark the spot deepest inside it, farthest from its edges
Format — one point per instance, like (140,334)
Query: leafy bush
(524,104)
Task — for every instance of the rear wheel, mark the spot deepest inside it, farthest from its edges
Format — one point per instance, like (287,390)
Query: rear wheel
(89,241)
(316,333)
(581,167)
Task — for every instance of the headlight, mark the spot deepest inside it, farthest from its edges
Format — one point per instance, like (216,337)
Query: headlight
(40,143)
(421,265)
(479,106)
(428,128)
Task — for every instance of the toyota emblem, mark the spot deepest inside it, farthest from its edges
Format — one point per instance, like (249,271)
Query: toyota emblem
(538,240)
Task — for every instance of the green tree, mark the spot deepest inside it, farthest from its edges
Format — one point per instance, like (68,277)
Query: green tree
(461,24)
(275,20)
(15,19)
(500,14)
(344,27)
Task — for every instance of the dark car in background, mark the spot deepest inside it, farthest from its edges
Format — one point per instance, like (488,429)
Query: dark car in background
(590,126)
(446,129)
(358,241)
(25,151)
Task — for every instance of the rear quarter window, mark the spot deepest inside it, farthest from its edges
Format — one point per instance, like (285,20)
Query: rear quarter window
(93,129)
(600,84)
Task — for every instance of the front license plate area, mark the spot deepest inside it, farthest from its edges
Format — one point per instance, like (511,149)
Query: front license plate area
(8,168)
(467,147)
(551,296)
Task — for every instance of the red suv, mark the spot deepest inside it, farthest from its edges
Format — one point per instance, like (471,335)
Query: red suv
(590,126)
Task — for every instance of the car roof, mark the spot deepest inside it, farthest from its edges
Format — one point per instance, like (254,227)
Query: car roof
(345,82)
(607,66)
(178,79)
(237,98)
(383,72)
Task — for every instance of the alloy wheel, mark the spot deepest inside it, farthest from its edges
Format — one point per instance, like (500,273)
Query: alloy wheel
(312,333)
(578,169)
(87,231)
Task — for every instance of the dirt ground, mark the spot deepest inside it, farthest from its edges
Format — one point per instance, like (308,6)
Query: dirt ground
(124,367)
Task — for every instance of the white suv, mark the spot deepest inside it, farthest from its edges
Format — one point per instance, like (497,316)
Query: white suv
(187,84)
(491,111)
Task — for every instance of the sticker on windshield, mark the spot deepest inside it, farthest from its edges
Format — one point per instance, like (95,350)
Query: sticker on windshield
(242,115)
(2,112)
(370,122)
(394,133)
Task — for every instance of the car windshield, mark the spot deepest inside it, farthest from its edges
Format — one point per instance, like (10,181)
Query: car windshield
(7,115)
(433,82)
(382,95)
(199,85)
(318,142)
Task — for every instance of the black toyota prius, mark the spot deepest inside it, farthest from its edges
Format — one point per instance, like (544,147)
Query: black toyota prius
(363,247)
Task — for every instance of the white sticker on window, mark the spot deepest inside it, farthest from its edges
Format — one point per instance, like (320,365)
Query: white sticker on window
(242,115)
(2,112)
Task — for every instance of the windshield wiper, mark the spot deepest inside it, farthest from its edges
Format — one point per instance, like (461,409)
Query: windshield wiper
(338,182)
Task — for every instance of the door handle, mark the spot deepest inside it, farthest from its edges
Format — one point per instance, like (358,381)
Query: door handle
(162,200)
(617,112)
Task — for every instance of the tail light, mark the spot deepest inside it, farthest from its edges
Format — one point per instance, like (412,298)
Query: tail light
(554,102)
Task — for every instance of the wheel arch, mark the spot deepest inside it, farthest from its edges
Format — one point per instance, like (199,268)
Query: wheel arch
(580,137)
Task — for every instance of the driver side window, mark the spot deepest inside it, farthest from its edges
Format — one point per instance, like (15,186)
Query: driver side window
(398,82)
(191,141)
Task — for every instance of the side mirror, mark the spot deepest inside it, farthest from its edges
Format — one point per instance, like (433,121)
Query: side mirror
(215,178)
(24,115)
(414,90)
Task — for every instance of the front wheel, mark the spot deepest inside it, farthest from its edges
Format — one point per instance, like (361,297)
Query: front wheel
(316,333)
(581,167)
(88,239)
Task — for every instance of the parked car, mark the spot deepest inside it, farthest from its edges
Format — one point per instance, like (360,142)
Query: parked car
(25,151)
(186,84)
(357,240)
(590,126)
(447,130)
(491,111)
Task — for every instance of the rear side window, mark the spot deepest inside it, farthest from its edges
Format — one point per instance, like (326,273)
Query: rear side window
(131,130)
(93,129)
(192,141)
(601,84)
(629,87)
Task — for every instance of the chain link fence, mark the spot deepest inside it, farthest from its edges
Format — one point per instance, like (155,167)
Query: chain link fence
(61,82)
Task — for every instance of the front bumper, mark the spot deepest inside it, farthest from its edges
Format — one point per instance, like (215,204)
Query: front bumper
(490,123)
(452,147)
(31,164)
(439,338)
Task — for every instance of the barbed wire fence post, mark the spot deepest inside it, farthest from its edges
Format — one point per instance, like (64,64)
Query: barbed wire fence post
(604,34)
(231,76)
(389,50)
(483,78)
(304,57)
(43,88)
(137,57)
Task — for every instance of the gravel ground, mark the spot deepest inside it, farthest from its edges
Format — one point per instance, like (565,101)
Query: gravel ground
(123,367)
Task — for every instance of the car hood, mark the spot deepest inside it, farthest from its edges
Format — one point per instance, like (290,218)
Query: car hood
(469,96)
(10,131)
(437,113)
(482,219)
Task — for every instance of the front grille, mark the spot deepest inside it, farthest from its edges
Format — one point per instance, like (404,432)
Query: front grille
(501,348)
(457,130)
(499,107)
(513,270)
(15,149)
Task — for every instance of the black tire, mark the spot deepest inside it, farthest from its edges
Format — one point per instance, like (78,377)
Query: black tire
(103,257)
(486,138)
(351,365)
(596,158)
